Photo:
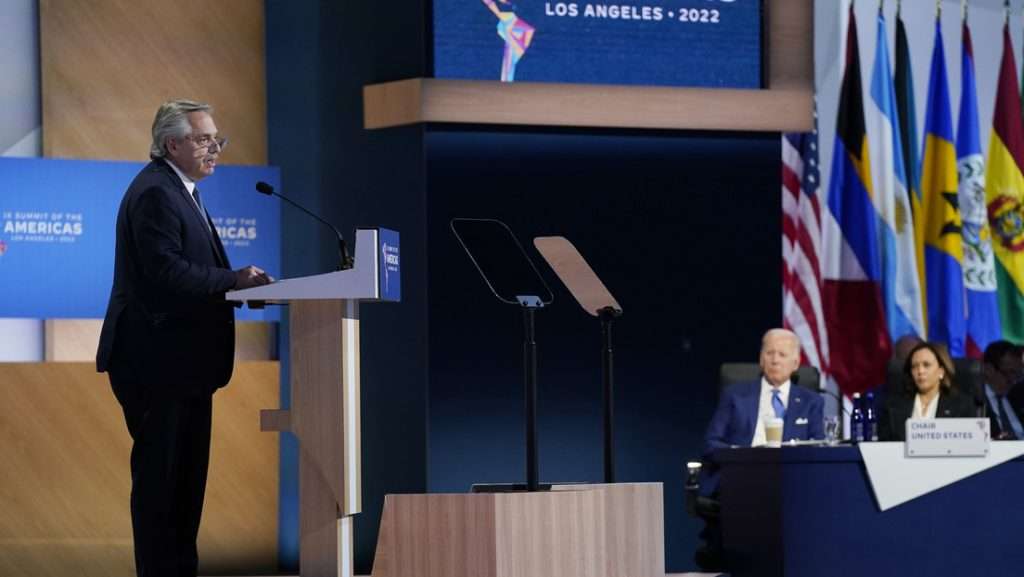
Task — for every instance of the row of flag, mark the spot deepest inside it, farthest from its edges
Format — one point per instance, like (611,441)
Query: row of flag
(928,245)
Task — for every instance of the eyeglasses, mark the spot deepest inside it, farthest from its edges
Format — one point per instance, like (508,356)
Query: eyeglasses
(209,142)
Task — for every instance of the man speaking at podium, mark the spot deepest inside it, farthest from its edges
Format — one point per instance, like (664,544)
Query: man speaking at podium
(168,338)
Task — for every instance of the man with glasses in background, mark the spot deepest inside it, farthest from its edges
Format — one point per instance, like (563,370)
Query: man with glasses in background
(1003,368)
(168,337)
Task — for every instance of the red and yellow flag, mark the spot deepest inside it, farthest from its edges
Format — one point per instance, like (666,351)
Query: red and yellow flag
(1004,185)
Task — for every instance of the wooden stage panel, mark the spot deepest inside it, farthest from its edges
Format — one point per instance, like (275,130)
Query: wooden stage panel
(107,64)
(65,480)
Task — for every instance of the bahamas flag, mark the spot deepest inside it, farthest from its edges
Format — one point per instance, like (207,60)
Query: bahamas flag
(940,213)
(906,108)
(900,283)
(859,344)
(1004,186)
(978,264)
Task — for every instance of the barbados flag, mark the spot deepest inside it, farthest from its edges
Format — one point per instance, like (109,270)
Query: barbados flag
(900,283)
(859,343)
(940,213)
(978,264)
(1004,184)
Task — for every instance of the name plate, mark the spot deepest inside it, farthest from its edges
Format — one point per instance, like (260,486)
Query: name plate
(947,437)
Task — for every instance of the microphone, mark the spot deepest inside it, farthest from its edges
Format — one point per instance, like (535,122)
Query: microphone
(346,260)
(795,378)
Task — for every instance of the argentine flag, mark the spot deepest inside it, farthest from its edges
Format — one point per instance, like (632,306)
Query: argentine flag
(901,288)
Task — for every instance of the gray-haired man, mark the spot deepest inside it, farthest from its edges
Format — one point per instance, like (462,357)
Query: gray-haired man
(168,337)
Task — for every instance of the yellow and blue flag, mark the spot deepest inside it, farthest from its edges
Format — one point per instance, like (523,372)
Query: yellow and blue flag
(940,213)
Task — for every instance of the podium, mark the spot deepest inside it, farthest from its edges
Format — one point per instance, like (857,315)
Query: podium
(614,530)
(324,413)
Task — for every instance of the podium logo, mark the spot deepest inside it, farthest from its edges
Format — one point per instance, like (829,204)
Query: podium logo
(389,261)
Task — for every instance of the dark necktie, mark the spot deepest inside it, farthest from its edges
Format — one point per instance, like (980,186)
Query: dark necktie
(1004,419)
(202,209)
(199,201)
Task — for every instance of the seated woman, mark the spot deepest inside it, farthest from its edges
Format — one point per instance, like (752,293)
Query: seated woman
(928,393)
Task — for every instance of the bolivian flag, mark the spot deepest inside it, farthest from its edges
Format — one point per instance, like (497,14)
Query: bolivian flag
(1004,186)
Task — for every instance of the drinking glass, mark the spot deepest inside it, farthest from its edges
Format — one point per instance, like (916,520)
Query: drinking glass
(832,429)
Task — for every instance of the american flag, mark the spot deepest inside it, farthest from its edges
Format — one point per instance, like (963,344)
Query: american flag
(802,311)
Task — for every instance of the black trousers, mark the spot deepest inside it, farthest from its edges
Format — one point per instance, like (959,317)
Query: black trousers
(169,462)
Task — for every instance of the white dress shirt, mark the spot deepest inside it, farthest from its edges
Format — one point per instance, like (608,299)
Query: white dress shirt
(765,410)
(190,187)
(190,184)
(925,412)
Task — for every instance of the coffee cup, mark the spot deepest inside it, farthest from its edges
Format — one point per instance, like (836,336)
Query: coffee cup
(773,432)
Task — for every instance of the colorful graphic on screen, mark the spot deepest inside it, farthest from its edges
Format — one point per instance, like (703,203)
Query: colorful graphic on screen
(517,35)
(707,43)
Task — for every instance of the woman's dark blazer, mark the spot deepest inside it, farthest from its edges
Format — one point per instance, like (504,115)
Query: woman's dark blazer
(897,409)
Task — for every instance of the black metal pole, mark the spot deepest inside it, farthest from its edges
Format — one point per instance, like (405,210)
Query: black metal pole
(607,316)
(530,380)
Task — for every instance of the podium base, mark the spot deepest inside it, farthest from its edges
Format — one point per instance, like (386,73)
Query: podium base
(614,530)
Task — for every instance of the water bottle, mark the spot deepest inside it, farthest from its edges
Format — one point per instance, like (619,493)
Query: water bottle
(857,420)
(870,418)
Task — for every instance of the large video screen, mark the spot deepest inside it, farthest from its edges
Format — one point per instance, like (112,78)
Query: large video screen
(706,43)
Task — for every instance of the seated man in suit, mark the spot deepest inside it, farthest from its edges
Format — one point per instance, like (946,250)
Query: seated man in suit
(1002,367)
(739,421)
(744,408)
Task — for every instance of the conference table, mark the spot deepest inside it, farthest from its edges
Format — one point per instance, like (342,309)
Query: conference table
(812,511)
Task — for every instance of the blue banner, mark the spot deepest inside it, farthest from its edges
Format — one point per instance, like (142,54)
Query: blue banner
(57,230)
(712,43)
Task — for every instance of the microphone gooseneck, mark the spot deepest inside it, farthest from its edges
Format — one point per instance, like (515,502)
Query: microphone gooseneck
(346,260)
(794,379)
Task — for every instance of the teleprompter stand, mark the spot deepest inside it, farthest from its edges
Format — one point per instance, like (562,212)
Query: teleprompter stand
(593,296)
(563,530)
(513,279)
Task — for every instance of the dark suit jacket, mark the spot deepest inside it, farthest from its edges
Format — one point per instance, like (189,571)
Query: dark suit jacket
(898,408)
(735,420)
(167,319)
(994,427)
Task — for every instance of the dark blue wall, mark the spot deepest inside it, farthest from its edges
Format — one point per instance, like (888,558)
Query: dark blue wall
(319,56)
(683,228)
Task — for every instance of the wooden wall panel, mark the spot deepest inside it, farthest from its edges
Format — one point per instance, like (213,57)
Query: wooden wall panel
(787,104)
(106,66)
(65,475)
(76,340)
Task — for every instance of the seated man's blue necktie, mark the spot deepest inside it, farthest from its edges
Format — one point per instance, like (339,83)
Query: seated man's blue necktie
(780,409)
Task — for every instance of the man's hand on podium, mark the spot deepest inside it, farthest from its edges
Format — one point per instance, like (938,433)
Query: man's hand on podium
(251,276)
